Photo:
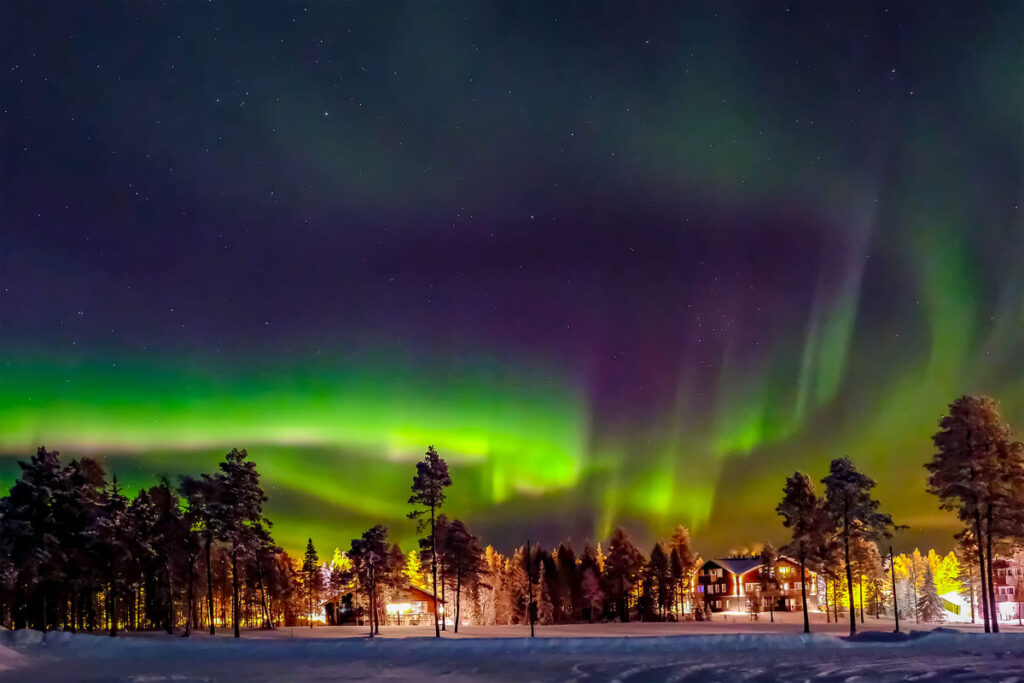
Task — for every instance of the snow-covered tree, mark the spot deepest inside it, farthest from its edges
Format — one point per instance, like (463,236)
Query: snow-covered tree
(929,605)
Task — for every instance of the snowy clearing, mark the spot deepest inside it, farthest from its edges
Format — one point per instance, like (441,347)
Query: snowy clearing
(639,653)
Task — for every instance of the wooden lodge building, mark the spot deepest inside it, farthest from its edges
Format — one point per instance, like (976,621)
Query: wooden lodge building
(731,584)
(409,606)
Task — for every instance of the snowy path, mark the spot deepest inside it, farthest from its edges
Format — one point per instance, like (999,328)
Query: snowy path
(944,656)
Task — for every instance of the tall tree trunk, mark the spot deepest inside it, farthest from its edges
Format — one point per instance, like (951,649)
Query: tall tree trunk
(191,594)
(113,609)
(828,613)
(376,607)
(433,570)
(861,599)
(803,589)
(444,606)
(264,612)
(309,597)
(623,600)
(849,572)
(835,600)
(981,565)
(209,581)
(170,596)
(988,563)
(970,588)
(895,602)
(913,579)
(372,607)
(529,579)
(234,588)
(458,596)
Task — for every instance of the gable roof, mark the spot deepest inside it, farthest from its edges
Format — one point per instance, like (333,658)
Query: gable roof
(738,565)
(411,589)
(419,592)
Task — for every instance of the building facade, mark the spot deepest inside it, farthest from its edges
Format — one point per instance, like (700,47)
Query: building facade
(1008,585)
(733,584)
(409,606)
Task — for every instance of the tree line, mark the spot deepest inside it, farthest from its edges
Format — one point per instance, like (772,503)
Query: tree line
(977,471)
(76,553)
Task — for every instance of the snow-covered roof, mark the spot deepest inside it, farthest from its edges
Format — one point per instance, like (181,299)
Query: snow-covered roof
(738,565)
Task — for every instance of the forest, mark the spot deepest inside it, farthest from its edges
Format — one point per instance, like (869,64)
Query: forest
(199,554)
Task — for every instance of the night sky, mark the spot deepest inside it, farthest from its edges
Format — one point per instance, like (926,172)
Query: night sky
(621,263)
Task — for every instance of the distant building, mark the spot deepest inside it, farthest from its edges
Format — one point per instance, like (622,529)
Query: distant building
(406,606)
(1008,585)
(729,584)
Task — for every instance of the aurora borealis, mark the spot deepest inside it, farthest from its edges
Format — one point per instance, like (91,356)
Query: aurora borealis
(620,263)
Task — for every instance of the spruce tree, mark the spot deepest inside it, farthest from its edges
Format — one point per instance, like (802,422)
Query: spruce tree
(675,572)
(570,595)
(767,577)
(428,492)
(681,544)
(311,567)
(593,596)
(929,605)
(622,566)
(658,568)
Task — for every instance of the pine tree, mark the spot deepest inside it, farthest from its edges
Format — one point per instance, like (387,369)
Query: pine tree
(853,514)
(767,577)
(415,574)
(682,545)
(867,560)
(929,605)
(464,558)
(802,512)
(112,542)
(968,551)
(239,511)
(593,596)
(661,581)
(29,541)
(373,560)
(201,496)
(570,594)
(978,472)
(428,492)
(676,574)
(545,608)
(622,566)
(311,567)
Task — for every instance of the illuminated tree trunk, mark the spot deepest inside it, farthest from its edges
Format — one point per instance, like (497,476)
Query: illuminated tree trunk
(433,571)
(803,589)
(264,611)
(970,588)
(458,596)
(234,589)
(862,599)
(981,565)
(988,562)
(209,580)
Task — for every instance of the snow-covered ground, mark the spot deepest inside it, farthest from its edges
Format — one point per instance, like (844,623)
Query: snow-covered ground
(719,651)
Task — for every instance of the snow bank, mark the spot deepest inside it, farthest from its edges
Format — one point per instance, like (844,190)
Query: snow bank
(10,659)
(76,645)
